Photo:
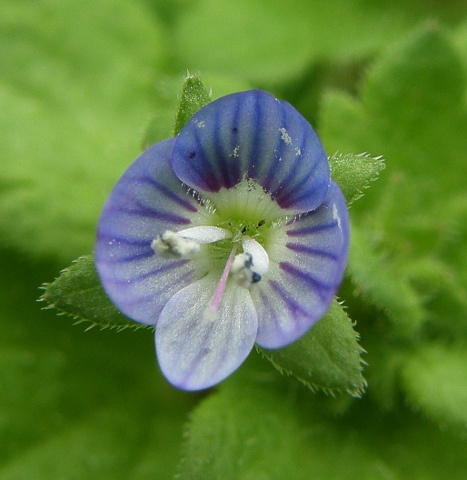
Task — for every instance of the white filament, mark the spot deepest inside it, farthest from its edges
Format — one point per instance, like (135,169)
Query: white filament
(205,234)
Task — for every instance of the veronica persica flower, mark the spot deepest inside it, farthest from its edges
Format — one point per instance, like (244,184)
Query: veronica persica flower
(229,234)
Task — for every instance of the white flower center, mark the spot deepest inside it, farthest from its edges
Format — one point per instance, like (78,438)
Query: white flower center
(227,236)
(246,268)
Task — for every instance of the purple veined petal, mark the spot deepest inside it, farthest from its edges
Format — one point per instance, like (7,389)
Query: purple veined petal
(196,351)
(307,265)
(253,135)
(147,200)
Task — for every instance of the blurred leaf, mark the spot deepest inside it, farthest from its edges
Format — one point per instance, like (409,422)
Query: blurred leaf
(354,173)
(383,286)
(254,430)
(460,39)
(327,357)
(423,144)
(78,292)
(75,89)
(78,405)
(435,379)
(412,111)
(226,38)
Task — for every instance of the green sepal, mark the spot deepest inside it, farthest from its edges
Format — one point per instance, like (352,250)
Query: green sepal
(354,173)
(326,358)
(78,292)
(194,96)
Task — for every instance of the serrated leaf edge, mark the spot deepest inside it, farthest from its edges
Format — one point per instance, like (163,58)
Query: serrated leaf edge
(79,319)
(356,392)
(379,159)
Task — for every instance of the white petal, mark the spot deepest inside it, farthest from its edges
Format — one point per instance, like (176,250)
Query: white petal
(198,347)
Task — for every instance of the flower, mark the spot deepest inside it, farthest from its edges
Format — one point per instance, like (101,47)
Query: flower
(229,234)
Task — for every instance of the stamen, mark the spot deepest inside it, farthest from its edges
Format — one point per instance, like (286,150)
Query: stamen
(186,243)
(260,257)
(171,244)
(242,270)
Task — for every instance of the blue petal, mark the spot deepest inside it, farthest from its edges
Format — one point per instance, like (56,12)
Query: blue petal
(147,200)
(196,351)
(307,262)
(253,135)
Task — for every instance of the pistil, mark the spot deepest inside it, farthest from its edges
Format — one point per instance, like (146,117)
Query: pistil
(211,311)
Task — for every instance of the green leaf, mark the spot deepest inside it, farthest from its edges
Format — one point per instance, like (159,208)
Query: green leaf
(78,405)
(354,172)
(243,434)
(194,96)
(383,286)
(292,37)
(409,215)
(326,358)
(408,236)
(412,71)
(424,74)
(435,381)
(78,292)
(251,429)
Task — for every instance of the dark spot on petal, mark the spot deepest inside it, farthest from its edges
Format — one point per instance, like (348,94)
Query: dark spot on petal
(248,261)
(235,130)
(192,155)
(255,277)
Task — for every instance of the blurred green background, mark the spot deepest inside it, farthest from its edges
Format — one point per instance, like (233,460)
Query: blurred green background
(80,82)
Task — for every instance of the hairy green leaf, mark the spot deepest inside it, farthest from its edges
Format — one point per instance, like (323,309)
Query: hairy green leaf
(354,172)
(169,118)
(327,357)
(408,237)
(383,286)
(78,292)
(435,381)
(251,429)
